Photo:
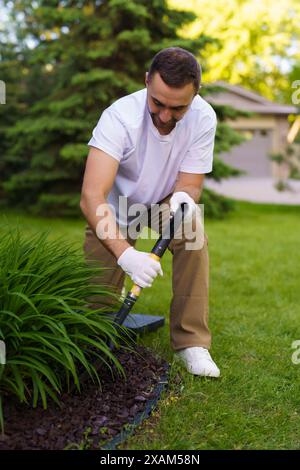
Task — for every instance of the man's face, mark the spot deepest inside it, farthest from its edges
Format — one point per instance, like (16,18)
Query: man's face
(167,105)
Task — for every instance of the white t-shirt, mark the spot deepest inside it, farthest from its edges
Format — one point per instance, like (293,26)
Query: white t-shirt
(149,161)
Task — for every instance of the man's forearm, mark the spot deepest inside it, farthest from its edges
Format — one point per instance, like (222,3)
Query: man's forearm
(101,220)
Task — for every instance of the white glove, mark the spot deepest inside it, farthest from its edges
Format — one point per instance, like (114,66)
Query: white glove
(180,197)
(139,266)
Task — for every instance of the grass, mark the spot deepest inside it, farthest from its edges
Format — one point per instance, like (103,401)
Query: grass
(254,318)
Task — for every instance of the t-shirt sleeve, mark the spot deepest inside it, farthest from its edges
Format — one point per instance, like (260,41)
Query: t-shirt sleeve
(109,135)
(199,157)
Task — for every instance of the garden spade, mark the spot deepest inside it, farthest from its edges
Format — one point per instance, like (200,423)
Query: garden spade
(156,253)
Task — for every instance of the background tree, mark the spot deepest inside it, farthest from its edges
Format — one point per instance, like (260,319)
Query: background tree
(75,59)
(10,68)
(258,41)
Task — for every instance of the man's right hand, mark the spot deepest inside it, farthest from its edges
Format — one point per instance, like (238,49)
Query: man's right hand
(139,266)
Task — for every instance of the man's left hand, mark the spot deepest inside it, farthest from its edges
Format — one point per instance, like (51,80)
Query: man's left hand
(182,197)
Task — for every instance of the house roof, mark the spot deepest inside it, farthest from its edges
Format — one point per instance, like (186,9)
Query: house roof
(246,100)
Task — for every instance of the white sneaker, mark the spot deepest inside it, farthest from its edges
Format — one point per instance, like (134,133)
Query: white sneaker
(198,361)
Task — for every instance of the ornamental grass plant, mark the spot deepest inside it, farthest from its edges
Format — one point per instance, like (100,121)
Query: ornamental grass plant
(50,332)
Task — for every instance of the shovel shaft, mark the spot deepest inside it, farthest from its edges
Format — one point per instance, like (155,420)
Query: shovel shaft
(156,253)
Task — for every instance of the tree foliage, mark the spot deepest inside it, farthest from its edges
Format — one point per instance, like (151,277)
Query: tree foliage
(74,59)
(256,41)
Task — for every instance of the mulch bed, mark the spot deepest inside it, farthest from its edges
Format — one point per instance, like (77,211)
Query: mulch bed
(90,419)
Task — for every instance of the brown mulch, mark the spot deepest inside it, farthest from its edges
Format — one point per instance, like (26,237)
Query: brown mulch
(89,419)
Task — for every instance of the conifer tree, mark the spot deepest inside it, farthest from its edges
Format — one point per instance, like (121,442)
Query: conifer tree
(75,58)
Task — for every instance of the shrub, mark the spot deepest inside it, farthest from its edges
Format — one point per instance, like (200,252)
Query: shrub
(215,205)
(50,333)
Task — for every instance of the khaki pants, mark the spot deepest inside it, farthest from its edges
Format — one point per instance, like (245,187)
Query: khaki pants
(190,273)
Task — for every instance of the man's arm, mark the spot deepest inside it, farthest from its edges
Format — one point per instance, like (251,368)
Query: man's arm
(191,183)
(100,173)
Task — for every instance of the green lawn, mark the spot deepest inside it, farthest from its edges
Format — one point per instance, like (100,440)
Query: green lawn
(254,318)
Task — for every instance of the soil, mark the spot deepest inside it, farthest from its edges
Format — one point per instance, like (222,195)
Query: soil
(90,419)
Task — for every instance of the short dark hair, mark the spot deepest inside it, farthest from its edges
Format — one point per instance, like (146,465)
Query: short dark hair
(177,67)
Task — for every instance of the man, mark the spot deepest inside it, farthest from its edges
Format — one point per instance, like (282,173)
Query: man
(155,146)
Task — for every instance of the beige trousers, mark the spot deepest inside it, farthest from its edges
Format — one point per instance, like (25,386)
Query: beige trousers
(190,274)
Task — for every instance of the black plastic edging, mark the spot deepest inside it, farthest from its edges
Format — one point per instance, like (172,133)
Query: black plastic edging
(141,416)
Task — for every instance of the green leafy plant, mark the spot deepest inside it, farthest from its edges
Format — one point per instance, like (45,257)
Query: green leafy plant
(50,332)
(281,186)
(289,159)
(84,444)
(277,157)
